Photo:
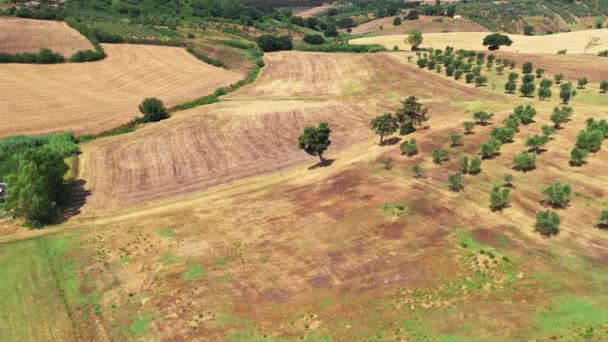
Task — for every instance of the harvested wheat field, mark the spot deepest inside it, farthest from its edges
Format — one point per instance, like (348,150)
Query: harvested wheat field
(254,129)
(574,42)
(307,13)
(91,98)
(426,24)
(29,35)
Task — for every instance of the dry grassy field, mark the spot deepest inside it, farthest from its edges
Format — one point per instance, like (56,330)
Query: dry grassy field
(574,42)
(426,24)
(29,35)
(260,245)
(307,13)
(90,98)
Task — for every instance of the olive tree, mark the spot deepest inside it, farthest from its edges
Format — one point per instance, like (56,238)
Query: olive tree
(604,86)
(439,155)
(557,194)
(578,156)
(482,117)
(561,115)
(385,124)
(527,89)
(456,139)
(499,197)
(547,222)
(455,181)
(566,92)
(468,127)
(603,220)
(524,161)
(475,165)
(536,141)
(409,147)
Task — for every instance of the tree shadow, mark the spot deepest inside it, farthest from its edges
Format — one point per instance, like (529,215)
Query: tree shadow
(391,141)
(78,198)
(324,163)
(537,151)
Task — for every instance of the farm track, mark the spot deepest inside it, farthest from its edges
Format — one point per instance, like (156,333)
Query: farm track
(253,130)
(29,35)
(90,98)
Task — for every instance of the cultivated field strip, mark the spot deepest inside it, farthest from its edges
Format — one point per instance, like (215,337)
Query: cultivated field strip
(574,42)
(94,97)
(255,129)
(29,35)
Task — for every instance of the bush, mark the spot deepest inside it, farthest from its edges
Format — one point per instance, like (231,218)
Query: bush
(481,80)
(513,76)
(397,21)
(418,170)
(469,77)
(508,178)
(527,89)
(456,139)
(525,113)
(603,220)
(603,53)
(558,78)
(482,117)
(540,72)
(314,39)
(544,93)
(510,87)
(269,43)
(566,92)
(463,163)
(503,134)
(468,127)
(582,82)
(499,197)
(439,155)
(449,70)
(604,86)
(206,59)
(490,148)
(409,147)
(562,52)
(455,181)
(525,161)
(527,78)
(475,165)
(527,67)
(577,156)
(536,141)
(548,130)
(547,222)
(512,122)
(590,140)
(558,195)
(499,70)
(546,83)
(153,110)
(561,115)
(43,56)
(350,48)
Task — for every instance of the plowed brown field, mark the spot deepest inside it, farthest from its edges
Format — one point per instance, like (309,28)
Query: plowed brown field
(94,97)
(253,130)
(29,35)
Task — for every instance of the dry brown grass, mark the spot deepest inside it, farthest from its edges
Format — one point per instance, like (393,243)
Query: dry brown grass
(575,42)
(29,35)
(426,24)
(307,13)
(91,98)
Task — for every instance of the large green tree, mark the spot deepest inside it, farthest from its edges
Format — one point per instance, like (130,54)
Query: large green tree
(315,140)
(411,114)
(38,191)
(384,125)
(496,40)
(415,39)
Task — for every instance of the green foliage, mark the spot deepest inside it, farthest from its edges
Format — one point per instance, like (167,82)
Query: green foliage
(469,77)
(44,56)
(463,163)
(38,189)
(510,87)
(548,130)
(604,86)
(540,72)
(415,39)
(561,115)
(528,78)
(544,93)
(527,89)
(475,165)
(439,155)
(562,52)
(206,59)
(558,194)
(421,62)
(314,39)
(566,92)
(496,40)
(393,209)
(455,181)
(490,148)
(397,21)
(524,161)
(558,78)
(508,179)
(195,271)
(547,222)
(603,53)
(601,125)
(269,43)
(337,47)
(153,110)
(456,139)
(503,134)
(499,197)
(385,124)
(418,170)
(500,69)
(527,67)
(546,83)
(315,140)
(603,220)
(582,82)
(449,70)
(468,127)
(536,141)
(409,147)
(481,80)
(590,140)
(412,113)
(482,117)
(512,122)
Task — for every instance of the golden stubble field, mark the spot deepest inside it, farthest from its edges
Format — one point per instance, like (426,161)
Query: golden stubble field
(90,98)
(574,42)
(29,35)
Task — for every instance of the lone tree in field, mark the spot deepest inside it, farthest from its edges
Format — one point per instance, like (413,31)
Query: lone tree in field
(385,124)
(153,110)
(536,141)
(38,189)
(415,39)
(547,222)
(558,195)
(499,197)
(315,140)
(455,181)
(482,117)
(412,114)
(496,40)
(525,161)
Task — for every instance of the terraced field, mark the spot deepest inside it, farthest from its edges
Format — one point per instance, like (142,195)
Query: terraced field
(29,35)
(91,98)
(574,42)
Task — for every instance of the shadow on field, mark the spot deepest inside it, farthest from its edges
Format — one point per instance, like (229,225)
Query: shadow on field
(78,198)
(390,142)
(325,163)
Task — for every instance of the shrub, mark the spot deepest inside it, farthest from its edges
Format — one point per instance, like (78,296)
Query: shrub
(397,21)
(490,148)
(566,92)
(468,127)
(205,58)
(582,82)
(540,72)
(561,115)
(548,130)
(418,170)
(547,222)
(510,87)
(590,140)
(536,141)
(499,197)
(558,195)
(512,122)
(469,77)
(449,70)
(603,220)
(463,163)
(512,64)
(475,165)
(476,71)
(508,178)
(503,134)
(153,110)
(269,43)
(558,78)
(409,147)
(525,113)
(421,62)
(527,89)
(455,181)
(480,80)
(577,156)
(525,161)
(604,86)
(603,53)
(499,70)
(562,52)
(456,139)
(482,117)
(314,39)
(527,67)
(439,155)
(458,75)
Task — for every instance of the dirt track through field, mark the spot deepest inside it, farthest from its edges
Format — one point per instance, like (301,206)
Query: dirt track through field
(29,35)
(93,97)
(253,130)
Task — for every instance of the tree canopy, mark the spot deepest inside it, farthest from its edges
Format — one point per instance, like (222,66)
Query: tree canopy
(496,40)
(315,140)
